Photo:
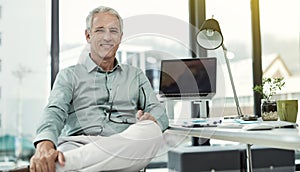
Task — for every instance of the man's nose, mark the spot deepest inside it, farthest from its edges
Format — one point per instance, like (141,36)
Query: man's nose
(107,36)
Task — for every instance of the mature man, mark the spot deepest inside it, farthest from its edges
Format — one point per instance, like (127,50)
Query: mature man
(101,115)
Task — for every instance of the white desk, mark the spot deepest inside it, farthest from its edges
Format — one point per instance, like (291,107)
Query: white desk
(284,138)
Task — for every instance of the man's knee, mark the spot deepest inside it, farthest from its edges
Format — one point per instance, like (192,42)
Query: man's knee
(143,130)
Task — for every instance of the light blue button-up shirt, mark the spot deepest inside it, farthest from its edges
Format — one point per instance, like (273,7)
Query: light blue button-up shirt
(81,93)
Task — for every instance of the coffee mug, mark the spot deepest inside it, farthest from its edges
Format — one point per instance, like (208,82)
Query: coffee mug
(287,110)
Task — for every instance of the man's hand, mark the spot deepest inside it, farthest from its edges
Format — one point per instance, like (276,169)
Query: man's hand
(45,157)
(145,116)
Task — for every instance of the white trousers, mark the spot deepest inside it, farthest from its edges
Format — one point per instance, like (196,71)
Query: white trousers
(129,151)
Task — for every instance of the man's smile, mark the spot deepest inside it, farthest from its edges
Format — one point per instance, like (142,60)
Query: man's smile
(106,45)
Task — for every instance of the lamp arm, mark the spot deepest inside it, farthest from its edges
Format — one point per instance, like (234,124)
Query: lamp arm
(232,83)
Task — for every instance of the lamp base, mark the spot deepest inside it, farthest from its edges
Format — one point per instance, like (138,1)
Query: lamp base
(243,117)
(249,117)
(232,117)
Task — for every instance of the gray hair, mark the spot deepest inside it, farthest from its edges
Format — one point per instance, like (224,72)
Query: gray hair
(102,9)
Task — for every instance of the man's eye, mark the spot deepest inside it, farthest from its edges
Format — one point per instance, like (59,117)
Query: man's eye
(114,31)
(99,30)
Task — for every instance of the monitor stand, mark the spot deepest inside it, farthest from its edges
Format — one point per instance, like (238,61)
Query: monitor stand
(200,109)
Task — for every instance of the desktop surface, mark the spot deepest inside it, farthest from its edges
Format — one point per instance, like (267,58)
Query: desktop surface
(285,138)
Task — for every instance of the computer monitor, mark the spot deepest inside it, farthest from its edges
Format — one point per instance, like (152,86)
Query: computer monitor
(188,78)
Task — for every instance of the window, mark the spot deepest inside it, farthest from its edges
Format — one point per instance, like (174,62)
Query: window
(238,42)
(281,44)
(34,86)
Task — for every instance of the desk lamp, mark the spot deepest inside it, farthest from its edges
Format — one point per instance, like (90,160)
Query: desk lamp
(210,38)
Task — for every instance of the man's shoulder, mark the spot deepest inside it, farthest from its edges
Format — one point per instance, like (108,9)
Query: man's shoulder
(73,68)
(72,72)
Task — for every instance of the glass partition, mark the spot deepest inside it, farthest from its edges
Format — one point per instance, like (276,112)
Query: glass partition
(24,84)
(234,17)
(280,32)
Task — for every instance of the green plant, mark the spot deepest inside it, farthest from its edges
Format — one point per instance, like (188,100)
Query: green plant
(269,87)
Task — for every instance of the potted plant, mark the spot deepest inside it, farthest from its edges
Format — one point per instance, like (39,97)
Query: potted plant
(267,90)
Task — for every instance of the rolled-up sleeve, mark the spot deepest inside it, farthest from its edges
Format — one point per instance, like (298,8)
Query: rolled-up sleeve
(55,113)
(153,106)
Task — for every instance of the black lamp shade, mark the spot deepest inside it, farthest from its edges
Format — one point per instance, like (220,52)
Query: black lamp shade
(210,36)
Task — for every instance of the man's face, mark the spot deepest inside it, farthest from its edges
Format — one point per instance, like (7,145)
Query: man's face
(104,36)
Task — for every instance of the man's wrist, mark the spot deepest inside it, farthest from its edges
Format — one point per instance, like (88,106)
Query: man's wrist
(45,143)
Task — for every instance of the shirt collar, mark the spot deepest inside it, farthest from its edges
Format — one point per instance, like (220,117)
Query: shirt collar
(91,65)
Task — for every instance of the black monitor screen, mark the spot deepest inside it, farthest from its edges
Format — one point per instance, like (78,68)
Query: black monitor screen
(186,78)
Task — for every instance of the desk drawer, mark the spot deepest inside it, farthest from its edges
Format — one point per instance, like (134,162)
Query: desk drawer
(266,159)
(230,158)
(204,158)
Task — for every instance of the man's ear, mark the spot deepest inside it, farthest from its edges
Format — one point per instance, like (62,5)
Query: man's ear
(121,37)
(87,36)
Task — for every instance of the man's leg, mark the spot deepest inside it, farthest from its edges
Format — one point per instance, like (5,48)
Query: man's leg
(130,150)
